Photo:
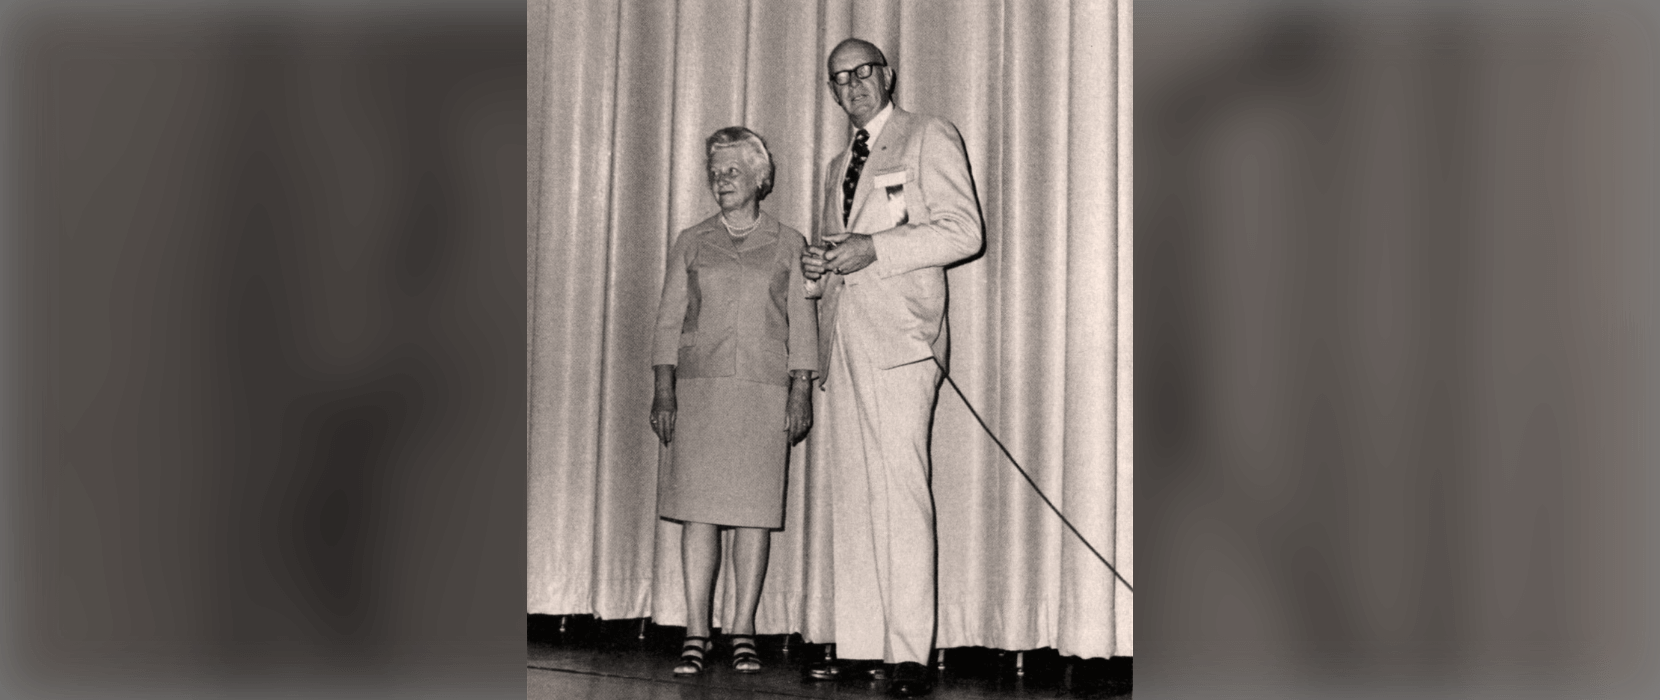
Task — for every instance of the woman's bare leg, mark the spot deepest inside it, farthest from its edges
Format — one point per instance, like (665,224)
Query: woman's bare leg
(752,547)
(700,558)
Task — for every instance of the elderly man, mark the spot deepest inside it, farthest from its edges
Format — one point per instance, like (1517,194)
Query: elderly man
(899,206)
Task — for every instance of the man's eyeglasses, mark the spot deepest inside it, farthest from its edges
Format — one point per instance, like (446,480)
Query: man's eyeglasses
(861,72)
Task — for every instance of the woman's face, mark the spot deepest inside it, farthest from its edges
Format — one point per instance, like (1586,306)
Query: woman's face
(731,178)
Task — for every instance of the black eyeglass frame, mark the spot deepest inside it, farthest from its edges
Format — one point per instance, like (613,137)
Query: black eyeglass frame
(869,69)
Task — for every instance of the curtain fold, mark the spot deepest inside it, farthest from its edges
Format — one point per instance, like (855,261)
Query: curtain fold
(623,95)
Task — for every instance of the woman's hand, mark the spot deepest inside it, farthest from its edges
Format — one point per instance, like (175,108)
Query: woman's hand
(798,411)
(812,263)
(663,406)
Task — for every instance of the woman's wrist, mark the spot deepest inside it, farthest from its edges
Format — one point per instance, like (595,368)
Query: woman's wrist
(665,382)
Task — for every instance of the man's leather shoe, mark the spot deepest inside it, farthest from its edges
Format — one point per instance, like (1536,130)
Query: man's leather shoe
(843,668)
(910,679)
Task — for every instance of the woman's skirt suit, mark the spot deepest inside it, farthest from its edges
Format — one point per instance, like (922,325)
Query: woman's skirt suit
(734,320)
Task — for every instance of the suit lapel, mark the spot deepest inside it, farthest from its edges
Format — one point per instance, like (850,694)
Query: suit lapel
(885,154)
(832,214)
(830,223)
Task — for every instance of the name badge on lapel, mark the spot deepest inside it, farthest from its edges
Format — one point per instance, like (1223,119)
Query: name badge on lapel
(892,186)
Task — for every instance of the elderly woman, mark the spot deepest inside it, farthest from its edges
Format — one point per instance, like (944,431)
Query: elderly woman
(735,353)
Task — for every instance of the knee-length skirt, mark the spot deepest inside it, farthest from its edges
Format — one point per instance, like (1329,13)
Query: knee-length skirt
(727,462)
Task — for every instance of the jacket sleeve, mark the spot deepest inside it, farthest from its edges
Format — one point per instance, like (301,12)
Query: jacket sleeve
(671,310)
(803,312)
(953,230)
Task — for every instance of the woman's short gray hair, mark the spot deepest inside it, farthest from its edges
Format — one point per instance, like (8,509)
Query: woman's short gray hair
(757,154)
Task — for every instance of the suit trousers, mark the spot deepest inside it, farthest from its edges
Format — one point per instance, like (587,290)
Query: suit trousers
(883,521)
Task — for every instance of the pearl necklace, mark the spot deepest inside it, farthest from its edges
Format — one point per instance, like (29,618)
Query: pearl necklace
(735,233)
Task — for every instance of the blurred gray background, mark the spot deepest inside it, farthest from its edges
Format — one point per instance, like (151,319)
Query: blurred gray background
(1395,339)
(263,312)
(265,290)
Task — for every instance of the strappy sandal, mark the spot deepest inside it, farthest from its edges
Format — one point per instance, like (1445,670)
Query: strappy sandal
(744,657)
(691,656)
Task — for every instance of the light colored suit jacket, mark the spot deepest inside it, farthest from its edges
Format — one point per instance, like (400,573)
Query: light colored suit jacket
(736,311)
(916,199)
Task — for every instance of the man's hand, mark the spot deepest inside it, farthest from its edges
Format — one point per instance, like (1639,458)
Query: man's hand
(812,262)
(853,252)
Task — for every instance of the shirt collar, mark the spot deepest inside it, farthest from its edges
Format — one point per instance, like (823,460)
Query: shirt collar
(874,127)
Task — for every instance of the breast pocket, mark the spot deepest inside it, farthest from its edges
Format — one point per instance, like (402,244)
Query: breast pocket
(892,191)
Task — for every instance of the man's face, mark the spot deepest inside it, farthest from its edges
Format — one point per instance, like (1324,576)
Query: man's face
(861,98)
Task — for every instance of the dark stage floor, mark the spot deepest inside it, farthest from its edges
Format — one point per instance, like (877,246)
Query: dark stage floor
(608,659)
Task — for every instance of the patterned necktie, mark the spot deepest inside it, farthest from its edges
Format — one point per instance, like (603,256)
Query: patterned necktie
(854,165)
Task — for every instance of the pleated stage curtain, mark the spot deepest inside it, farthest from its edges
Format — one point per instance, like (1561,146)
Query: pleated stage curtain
(622,95)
